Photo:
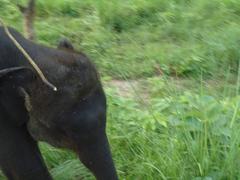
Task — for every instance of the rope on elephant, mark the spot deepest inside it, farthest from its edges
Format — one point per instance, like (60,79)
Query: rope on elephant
(28,57)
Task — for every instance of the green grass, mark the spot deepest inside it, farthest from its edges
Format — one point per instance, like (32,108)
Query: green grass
(179,37)
(176,133)
(179,117)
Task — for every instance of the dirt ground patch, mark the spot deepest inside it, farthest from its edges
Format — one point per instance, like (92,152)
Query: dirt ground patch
(130,88)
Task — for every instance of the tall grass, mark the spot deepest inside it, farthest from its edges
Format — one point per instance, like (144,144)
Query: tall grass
(177,37)
(191,136)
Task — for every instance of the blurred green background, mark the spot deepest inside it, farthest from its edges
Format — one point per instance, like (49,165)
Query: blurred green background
(170,69)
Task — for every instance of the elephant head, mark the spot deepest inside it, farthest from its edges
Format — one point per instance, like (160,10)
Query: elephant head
(74,117)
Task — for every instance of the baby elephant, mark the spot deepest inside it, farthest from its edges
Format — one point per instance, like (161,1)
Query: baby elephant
(74,117)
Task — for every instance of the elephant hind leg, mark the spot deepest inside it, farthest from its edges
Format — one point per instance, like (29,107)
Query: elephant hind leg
(20,158)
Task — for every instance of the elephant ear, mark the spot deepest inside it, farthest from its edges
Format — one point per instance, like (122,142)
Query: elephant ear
(16,76)
(13,97)
(65,44)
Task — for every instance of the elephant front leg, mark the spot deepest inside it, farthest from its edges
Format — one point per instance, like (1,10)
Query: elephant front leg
(20,158)
(96,156)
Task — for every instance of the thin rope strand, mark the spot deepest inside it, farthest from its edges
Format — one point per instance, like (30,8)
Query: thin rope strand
(27,56)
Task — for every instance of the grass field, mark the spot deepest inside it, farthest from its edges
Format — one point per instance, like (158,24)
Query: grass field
(171,73)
